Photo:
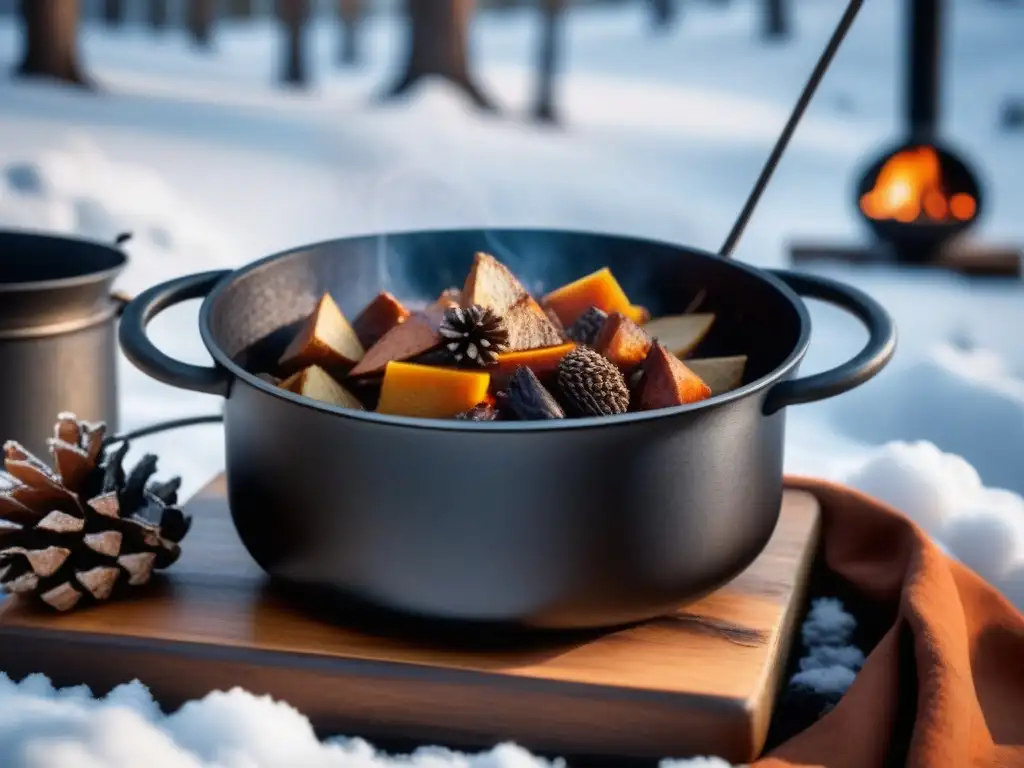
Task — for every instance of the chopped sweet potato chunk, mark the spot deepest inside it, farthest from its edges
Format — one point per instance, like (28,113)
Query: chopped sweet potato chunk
(667,382)
(412,338)
(491,284)
(550,313)
(599,289)
(639,315)
(325,339)
(543,362)
(317,384)
(680,333)
(430,392)
(529,326)
(623,342)
(377,318)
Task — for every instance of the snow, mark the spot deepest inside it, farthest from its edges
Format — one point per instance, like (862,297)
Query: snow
(823,656)
(41,727)
(211,166)
(980,398)
(830,663)
(827,624)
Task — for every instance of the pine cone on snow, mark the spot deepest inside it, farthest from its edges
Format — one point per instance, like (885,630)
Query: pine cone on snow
(83,527)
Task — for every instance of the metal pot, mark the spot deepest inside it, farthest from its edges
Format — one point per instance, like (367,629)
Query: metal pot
(569,524)
(58,348)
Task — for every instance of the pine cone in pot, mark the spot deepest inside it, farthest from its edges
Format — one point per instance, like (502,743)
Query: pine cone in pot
(474,336)
(591,385)
(78,530)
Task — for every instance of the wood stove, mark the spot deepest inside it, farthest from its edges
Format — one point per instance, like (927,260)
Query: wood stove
(919,197)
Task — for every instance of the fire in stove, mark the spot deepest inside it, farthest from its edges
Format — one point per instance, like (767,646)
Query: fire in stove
(918,197)
(910,187)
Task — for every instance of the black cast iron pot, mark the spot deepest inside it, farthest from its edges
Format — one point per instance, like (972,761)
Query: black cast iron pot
(569,524)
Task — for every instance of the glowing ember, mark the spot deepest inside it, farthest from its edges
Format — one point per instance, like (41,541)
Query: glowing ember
(909,188)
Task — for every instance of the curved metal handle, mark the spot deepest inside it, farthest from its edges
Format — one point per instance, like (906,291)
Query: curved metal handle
(864,366)
(143,353)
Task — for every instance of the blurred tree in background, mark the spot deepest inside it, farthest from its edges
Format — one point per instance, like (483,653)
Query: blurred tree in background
(113,12)
(776,20)
(552,12)
(294,16)
(199,17)
(50,34)
(350,12)
(158,16)
(437,35)
(663,14)
(240,9)
(438,45)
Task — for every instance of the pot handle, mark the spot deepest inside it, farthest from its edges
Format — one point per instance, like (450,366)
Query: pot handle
(143,353)
(864,366)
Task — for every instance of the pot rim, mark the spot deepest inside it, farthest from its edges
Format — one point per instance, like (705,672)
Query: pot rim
(72,281)
(454,425)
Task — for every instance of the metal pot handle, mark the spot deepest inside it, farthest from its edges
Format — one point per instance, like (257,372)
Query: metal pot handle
(143,353)
(864,366)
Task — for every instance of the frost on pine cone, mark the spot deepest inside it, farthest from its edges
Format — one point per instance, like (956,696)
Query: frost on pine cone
(83,527)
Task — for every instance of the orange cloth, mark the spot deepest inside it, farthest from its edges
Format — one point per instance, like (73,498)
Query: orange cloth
(967,641)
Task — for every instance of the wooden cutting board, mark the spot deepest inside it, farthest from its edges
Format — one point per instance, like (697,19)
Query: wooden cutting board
(700,681)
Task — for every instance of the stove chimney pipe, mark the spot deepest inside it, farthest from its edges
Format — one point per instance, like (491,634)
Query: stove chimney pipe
(924,58)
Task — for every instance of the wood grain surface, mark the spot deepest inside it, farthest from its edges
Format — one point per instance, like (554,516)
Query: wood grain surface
(699,681)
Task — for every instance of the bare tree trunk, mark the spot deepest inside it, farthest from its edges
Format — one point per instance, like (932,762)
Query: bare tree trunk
(199,20)
(438,45)
(50,32)
(351,14)
(157,14)
(113,12)
(663,14)
(547,63)
(776,20)
(240,9)
(294,16)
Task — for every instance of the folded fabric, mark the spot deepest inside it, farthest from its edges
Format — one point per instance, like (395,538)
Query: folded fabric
(950,669)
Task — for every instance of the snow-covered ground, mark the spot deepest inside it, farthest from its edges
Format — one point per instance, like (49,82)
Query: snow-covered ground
(210,165)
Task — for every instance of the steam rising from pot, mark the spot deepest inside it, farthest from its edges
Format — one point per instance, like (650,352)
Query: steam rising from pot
(401,189)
